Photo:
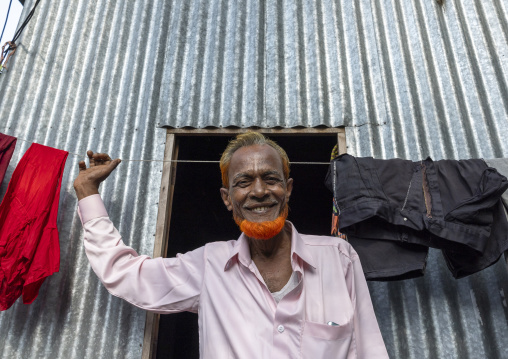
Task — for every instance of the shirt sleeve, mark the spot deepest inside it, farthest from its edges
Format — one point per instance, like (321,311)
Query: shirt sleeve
(368,337)
(161,285)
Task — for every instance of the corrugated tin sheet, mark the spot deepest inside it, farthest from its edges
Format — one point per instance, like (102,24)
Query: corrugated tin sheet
(270,63)
(340,63)
(444,76)
(85,76)
(407,78)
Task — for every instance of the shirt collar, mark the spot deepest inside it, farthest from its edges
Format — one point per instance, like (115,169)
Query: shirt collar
(241,252)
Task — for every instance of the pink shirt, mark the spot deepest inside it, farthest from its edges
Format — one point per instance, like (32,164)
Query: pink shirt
(238,317)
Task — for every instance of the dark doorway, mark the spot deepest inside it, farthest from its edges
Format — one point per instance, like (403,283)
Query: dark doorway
(199,216)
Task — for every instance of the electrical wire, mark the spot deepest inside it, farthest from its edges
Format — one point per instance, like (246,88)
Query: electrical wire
(27,20)
(17,34)
(6,19)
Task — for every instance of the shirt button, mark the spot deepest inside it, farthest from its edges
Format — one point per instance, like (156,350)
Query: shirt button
(280,328)
(405,219)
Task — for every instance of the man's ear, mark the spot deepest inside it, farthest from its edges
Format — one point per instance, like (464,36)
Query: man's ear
(289,188)
(224,193)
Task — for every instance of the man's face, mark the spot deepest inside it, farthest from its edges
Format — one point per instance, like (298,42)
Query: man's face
(257,190)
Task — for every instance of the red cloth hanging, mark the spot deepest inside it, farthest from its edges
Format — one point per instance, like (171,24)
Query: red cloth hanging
(7,145)
(29,246)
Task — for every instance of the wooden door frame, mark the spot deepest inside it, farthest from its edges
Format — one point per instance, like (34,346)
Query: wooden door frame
(167,191)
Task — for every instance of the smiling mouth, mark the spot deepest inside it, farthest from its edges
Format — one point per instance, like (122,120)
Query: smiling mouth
(261,209)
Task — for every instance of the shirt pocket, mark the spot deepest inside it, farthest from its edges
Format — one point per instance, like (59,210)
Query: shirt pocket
(327,341)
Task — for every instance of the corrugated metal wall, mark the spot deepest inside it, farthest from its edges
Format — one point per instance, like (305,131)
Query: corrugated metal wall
(86,76)
(444,76)
(407,78)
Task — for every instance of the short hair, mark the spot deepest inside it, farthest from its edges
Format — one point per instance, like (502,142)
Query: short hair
(250,139)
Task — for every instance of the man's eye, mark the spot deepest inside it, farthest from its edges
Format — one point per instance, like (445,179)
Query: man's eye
(272,180)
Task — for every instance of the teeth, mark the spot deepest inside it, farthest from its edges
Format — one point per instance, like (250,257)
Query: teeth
(260,209)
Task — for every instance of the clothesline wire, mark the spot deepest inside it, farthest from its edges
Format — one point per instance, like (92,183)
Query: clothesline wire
(183,161)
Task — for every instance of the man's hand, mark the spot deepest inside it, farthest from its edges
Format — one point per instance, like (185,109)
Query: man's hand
(88,180)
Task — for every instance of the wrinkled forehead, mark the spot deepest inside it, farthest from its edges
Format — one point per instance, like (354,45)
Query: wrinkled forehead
(255,158)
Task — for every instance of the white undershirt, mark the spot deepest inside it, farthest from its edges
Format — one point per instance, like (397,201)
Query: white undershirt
(290,285)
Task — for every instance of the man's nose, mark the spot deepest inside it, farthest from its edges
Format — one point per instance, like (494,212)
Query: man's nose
(259,189)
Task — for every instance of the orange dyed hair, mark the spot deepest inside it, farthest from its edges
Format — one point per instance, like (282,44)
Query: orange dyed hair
(250,139)
(263,230)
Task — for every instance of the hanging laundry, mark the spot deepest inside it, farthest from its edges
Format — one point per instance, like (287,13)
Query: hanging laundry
(501,165)
(447,204)
(382,260)
(7,145)
(464,263)
(388,260)
(29,246)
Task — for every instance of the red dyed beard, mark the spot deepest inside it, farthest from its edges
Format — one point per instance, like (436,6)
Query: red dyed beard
(262,230)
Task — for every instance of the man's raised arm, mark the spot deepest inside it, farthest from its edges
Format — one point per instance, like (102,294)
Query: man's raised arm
(163,285)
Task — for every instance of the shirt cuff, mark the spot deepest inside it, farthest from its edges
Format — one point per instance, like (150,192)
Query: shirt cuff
(91,207)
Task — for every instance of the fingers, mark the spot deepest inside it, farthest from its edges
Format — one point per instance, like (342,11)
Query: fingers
(97,159)
(109,167)
(101,166)
(90,158)
(115,163)
(101,158)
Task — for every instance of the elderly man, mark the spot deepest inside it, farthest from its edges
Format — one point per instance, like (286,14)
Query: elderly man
(273,293)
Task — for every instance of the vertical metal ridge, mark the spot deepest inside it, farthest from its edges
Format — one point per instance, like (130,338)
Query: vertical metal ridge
(388,80)
(476,70)
(330,44)
(228,79)
(208,32)
(219,64)
(289,62)
(281,66)
(462,107)
(239,60)
(312,63)
(261,63)
(500,76)
(343,61)
(272,64)
(493,55)
(168,67)
(302,63)
(502,17)
(186,57)
(391,79)
(411,82)
(368,114)
(198,73)
(248,60)
(433,76)
(323,65)
(174,61)
(425,78)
